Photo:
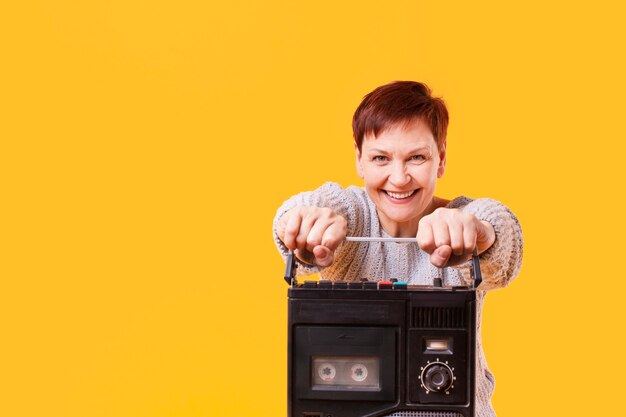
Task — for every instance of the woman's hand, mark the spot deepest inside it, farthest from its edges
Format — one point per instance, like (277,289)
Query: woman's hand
(313,233)
(450,236)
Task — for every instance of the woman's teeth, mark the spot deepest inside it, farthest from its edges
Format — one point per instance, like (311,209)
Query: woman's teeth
(400,196)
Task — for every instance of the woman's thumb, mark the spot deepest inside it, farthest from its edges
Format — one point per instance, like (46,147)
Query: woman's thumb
(323,255)
(441,256)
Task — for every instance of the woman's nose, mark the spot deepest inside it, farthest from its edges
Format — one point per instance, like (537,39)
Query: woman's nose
(399,175)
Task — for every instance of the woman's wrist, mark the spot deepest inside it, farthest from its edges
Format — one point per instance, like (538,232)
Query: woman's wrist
(487,237)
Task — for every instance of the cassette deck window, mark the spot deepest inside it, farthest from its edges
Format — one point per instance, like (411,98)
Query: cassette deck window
(358,373)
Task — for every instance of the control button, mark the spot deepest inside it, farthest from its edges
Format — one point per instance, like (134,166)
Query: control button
(355,285)
(310,284)
(325,284)
(437,377)
(340,285)
(385,285)
(400,286)
(370,285)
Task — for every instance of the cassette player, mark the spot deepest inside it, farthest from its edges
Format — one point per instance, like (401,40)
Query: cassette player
(381,349)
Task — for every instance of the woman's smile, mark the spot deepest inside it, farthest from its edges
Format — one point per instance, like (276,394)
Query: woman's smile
(399,196)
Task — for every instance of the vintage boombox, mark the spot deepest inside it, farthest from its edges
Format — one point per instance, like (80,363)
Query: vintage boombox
(381,349)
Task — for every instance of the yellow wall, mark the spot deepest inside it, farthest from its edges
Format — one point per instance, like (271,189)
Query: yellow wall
(146,144)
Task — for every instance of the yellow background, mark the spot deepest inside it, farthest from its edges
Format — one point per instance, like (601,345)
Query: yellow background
(145,146)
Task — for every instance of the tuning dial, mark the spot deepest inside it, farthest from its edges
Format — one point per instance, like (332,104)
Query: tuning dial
(437,377)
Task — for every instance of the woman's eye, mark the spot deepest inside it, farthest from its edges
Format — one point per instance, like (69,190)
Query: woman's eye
(379,158)
(418,158)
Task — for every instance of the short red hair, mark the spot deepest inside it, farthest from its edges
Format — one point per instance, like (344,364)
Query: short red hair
(400,102)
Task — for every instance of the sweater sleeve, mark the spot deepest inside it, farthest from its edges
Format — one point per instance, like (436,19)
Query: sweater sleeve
(501,263)
(330,195)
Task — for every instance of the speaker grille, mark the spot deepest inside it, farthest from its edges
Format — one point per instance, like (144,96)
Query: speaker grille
(439,317)
(424,414)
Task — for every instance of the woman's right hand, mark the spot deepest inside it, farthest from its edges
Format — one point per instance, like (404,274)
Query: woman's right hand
(313,233)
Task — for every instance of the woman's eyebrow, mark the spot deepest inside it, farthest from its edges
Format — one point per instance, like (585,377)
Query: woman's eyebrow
(415,150)
(421,148)
(378,150)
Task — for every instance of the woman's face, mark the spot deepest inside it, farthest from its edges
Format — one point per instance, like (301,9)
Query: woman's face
(400,168)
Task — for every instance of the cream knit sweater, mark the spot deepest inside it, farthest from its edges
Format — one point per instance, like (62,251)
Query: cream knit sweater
(406,262)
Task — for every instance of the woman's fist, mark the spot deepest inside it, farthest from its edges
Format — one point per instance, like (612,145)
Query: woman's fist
(450,236)
(313,233)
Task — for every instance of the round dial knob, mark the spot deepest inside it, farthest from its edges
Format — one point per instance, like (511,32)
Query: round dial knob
(437,377)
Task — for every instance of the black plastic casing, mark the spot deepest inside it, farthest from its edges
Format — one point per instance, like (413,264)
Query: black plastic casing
(392,325)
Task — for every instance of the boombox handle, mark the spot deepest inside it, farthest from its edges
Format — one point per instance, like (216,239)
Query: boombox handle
(290,270)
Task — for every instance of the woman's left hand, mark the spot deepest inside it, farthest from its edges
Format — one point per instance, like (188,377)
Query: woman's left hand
(450,236)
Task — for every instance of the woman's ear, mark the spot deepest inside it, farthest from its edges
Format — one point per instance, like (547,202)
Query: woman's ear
(442,160)
(359,167)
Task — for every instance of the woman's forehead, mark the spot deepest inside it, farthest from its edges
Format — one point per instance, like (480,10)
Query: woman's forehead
(412,135)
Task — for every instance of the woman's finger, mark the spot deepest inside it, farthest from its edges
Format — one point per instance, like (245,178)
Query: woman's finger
(308,220)
(335,233)
(292,229)
(316,233)
(455,229)
(425,238)
(469,237)
(441,233)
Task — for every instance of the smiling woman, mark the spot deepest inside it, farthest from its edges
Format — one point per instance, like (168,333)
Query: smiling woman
(400,143)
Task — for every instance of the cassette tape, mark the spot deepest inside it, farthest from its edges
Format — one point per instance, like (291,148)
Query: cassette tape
(380,349)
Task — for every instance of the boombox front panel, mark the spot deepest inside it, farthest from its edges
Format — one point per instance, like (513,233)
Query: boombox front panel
(381,353)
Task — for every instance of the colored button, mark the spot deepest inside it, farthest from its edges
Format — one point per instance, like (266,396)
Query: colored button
(385,285)
(399,285)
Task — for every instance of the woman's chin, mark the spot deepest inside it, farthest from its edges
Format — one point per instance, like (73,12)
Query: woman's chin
(398,217)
